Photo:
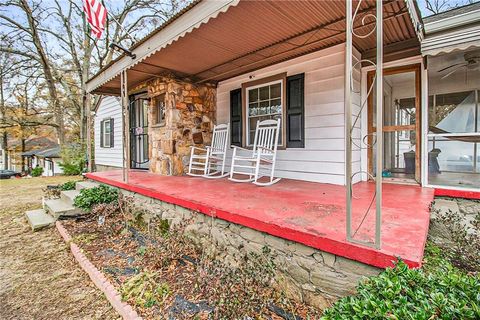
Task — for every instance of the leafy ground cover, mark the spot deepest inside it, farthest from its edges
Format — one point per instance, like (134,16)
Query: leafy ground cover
(39,279)
(446,287)
(165,274)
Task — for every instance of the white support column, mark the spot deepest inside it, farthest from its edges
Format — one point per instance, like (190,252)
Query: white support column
(378,141)
(126,124)
(379,124)
(348,116)
(88,138)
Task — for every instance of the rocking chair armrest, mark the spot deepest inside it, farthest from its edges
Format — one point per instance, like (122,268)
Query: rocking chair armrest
(240,148)
(265,149)
(197,148)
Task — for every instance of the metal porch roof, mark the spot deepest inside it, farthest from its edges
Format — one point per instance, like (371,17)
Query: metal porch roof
(215,42)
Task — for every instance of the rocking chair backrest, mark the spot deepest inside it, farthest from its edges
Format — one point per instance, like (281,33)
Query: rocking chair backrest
(266,136)
(220,138)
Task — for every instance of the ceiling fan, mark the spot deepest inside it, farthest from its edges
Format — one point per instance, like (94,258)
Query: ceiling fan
(472,62)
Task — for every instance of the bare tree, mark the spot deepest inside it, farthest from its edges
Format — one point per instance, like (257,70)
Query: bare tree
(438,6)
(54,40)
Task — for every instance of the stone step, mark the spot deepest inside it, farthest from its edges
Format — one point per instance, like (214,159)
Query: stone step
(69,195)
(87,184)
(39,219)
(59,208)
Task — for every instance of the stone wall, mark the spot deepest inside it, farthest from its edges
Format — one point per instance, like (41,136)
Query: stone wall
(189,120)
(303,273)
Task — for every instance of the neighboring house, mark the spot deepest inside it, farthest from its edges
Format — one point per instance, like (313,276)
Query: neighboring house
(108,134)
(16,148)
(240,61)
(48,158)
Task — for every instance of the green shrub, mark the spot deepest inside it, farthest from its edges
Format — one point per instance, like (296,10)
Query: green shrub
(73,159)
(90,197)
(439,291)
(37,172)
(69,185)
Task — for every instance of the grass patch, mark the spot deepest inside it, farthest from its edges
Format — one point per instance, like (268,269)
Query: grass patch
(84,238)
(145,290)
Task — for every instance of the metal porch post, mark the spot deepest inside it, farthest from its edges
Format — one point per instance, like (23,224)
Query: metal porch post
(379,123)
(348,116)
(88,139)
(126,124)
(378,141)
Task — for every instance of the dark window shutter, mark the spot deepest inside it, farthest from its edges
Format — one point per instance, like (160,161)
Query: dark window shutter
(296,111)
(111,133)
(236,117)
(101,133)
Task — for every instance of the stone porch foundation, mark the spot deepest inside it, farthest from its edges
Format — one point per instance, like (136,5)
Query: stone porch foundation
(305,274)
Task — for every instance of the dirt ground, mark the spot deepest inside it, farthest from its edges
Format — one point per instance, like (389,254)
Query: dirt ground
(39,278)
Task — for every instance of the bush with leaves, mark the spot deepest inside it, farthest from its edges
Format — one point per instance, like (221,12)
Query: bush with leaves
(437,291)
(73,159)
(93,196)
(37,172)
(69,185)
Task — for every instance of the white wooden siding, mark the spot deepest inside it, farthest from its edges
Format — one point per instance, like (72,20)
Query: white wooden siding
(109,108)
(323,158)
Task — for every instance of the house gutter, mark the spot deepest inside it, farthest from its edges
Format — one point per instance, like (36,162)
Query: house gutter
(193,18)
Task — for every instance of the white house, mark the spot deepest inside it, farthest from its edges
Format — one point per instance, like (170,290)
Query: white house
(416,91)
(108,134)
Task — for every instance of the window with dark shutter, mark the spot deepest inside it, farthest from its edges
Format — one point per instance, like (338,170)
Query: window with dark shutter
(295,111)
(101,133)
(111,133)
(236,117)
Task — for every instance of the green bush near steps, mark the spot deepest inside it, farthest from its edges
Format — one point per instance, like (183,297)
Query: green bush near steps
(37,172)
(438,291)
(90,197)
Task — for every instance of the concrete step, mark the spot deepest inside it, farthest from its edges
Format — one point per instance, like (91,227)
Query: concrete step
(39,219)
(59,208)
(69,195)
(87,184)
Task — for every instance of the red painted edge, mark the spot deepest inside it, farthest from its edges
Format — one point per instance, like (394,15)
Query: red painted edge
(102,283)
(457,194)
(355,252)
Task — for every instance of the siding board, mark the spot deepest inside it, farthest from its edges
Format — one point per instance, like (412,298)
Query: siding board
(323,158)
(109,108)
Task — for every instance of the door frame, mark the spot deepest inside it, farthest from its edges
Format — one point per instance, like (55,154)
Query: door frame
(418,115)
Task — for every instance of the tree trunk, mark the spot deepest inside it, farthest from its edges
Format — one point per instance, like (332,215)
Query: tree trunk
(52,90)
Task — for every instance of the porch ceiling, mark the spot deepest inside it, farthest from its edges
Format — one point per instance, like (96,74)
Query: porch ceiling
(255,34)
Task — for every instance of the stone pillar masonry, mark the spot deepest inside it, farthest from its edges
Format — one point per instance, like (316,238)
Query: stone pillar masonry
(189,119)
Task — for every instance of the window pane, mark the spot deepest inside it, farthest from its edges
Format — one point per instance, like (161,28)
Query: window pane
(452,162)
(253,109)
(264,107)
(252,95)
(453,113)
(276,106)
(275,90)
(264,93)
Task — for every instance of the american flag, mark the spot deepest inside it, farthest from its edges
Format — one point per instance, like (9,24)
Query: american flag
(96,15)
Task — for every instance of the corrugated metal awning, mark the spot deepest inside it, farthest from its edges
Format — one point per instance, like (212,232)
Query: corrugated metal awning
(454,30)
(247,35)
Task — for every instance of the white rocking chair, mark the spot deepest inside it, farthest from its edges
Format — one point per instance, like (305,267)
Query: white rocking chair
(205,162)
(264,152)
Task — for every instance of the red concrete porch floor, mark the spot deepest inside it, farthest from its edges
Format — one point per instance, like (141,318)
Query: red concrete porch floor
(306,212)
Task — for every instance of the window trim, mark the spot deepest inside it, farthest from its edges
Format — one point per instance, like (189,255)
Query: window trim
(104,141)
(154,101)
(281,77)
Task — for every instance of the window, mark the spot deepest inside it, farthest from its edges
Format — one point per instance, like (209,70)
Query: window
(263,102)
(159,110)
(275,97)
(106,133)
